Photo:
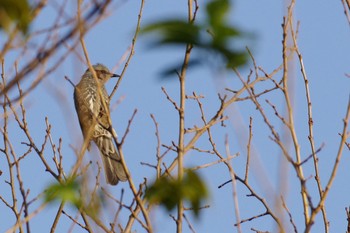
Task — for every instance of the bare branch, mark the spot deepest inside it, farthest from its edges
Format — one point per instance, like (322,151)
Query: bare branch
(132,49)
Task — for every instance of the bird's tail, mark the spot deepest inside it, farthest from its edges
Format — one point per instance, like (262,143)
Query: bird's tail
(111,160)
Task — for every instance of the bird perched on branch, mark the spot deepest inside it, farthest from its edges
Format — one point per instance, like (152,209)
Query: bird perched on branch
(92,105)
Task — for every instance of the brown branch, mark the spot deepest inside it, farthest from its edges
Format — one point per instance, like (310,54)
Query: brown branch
(234,183)
(132,49)
(224,104)
(7,147)
(189,224)
(277,114)
(203,151)
(262,201)
(74,220)
(215,162)
(181,111)
(57,217)
(27,219)
(158,155)
(287,21)
(116,216)
(289,215)
(251,218)
(45,54)
(310,125)
(137,195)
(346,6)
(70,81)
(148,165)
(24,127)
(170,99)
(127,129)
(259,231)
(334,170)
(312,155)
(248,149)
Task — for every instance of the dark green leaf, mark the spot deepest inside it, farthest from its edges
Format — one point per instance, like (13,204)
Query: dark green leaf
(15,11)
(70,192)
(218,41)
(165,192)
(217,11)
(169,192)
(174,31)
(194,190)
(67,191)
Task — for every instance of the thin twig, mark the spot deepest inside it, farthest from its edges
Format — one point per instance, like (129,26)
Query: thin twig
(325,193)
(73,220)
(251,218)
(57,217)
(189,224)
(304,193)
(45,54)
(248,148)
(127,128)
(170,99)
(70,81)
(215,162)
(346,9)
(132,49)
(289,215)
(158,155)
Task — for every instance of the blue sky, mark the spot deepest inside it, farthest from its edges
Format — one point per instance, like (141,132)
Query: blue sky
(323,41)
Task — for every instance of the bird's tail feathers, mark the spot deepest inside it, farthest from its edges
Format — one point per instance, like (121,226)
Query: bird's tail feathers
(114,169)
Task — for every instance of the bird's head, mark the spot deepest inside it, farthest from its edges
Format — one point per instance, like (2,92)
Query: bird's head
(103,73)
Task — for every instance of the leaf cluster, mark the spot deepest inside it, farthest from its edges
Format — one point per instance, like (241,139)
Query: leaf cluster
(16,12)
(70,191)
(168,192)
(214,36)
(66,191)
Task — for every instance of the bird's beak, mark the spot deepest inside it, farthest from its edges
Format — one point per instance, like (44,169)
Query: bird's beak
(115,75)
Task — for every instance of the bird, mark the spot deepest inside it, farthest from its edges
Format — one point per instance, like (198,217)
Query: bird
(92,106)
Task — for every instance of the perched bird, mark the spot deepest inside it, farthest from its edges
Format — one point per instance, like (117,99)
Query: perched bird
(92,105)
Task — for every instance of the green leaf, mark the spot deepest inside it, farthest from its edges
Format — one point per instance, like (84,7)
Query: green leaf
(67,191)
(218,40)
(174,32)
(236,59)
(165,192)
(169,192)
(70,191)
(217,11)
(15,12)
(194,190)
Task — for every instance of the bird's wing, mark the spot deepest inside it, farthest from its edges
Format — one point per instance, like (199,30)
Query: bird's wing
(85,100)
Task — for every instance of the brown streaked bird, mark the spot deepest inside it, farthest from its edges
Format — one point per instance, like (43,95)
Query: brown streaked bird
(93,118)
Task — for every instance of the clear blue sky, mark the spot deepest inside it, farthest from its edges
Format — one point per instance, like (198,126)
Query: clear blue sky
(323,40)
